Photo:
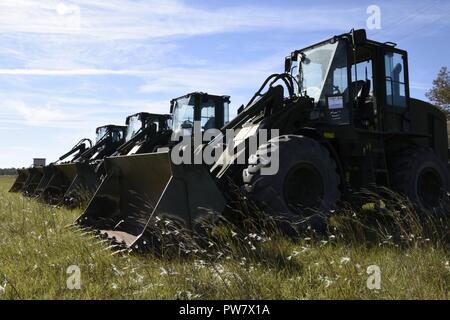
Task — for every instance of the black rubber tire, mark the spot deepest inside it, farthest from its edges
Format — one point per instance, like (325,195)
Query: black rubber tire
(407,172)
(295,152)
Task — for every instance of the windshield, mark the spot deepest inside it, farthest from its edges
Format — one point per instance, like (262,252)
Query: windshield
(134,124)
(183,113)
(323,72)
(101,132)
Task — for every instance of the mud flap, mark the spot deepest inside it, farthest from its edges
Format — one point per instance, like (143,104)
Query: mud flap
(22,176)
(140,188)
(61,179)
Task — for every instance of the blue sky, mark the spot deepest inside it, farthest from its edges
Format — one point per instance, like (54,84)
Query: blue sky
(67,67)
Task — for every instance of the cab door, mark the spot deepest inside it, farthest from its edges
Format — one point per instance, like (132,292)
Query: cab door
(364,88)
(395,90)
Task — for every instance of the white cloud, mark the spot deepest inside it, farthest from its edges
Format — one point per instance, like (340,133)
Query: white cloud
(152,19)
(86,38)
(41,115)
(75,65)
(73,72)
(63,9)
(419,86)
(115,19)
(220,81)
(39,38)
(72,112)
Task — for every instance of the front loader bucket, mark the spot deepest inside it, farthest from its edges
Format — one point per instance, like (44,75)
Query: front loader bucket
(46,177)
(22,176)
(60,181)
(83,186)
(139,189)
(35,176)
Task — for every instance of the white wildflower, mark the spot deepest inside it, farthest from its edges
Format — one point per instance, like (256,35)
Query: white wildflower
(163,271)
(345,260)
(117,271)
(3,287)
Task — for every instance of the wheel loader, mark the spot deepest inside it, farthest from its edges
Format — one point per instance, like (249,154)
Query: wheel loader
(344,120)
(59,176)
(144,132)
(126,175)
(28,179)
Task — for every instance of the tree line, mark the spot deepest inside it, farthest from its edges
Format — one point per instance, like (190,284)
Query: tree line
(8,171)
(439,94)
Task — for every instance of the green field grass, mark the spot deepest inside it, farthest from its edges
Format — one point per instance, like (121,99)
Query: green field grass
(37,248)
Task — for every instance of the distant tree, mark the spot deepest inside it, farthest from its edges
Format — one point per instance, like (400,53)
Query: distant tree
(440,93)
(8,172)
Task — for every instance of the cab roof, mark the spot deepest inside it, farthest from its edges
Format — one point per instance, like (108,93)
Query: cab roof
(348,36)
(110,127)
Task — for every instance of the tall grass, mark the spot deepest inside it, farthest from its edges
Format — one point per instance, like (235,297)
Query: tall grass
(245,255)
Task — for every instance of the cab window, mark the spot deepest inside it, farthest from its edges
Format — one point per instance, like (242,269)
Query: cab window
(362,71)
(395,79)
(183,114)
(208,114)
(117,135)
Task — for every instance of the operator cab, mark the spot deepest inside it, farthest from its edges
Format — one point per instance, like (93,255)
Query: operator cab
(107,139)
(354,81)
(210,111)
(138,122)
(115,133)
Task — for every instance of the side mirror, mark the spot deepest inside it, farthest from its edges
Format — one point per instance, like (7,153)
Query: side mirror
(359,37)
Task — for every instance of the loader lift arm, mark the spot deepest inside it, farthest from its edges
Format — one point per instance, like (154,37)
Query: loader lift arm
(80,147)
